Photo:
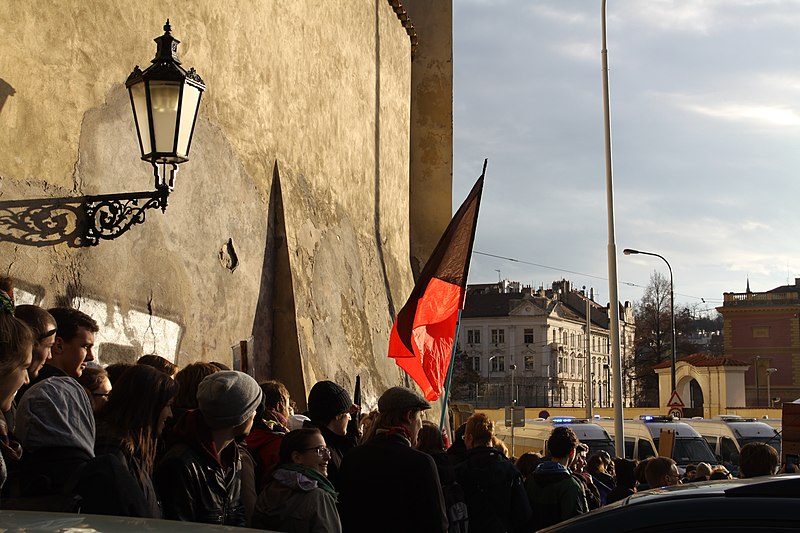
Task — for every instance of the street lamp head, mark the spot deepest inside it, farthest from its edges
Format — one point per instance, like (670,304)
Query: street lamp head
(771,370)
(630,251)
(165,98)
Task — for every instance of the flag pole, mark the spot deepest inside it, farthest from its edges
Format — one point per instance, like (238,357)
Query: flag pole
(446,393)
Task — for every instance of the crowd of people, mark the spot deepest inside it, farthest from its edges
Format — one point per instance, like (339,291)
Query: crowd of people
(207,444)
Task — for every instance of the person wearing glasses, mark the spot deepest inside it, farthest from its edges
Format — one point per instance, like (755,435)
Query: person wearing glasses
(662,472)
(298,497)
(97,385)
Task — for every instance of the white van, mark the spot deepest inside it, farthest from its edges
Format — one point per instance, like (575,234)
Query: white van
(642,436)
(533,437)
(726,435)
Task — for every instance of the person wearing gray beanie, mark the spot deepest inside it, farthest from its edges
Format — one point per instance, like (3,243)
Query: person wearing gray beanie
(200,477)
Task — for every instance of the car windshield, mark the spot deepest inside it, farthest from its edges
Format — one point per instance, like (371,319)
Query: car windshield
(601,445)
(774,441)
(693,450)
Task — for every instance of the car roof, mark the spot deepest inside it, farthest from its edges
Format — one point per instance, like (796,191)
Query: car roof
(670,505)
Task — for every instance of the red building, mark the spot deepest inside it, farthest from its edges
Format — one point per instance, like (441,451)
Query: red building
(763,329)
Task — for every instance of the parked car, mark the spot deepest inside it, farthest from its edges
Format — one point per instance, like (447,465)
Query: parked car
(726,436)
(41,522)
(738,505)
(533,437)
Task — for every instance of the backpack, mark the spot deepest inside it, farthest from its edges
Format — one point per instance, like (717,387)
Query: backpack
(455,506)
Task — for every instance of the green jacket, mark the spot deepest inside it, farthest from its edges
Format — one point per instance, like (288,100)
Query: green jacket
(554,494)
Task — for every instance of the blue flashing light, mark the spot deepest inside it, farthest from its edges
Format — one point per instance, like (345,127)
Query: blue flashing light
(563,420)
(647,418)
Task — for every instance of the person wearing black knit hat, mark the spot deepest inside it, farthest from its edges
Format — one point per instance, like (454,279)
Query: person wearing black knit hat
(330,409)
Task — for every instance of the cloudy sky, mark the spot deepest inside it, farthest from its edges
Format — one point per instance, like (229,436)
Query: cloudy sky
(705,117)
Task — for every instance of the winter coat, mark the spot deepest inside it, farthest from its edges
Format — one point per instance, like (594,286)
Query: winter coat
(495,494)
(386,485)
(555,495)
(294,503)
(114,483)
(195,483)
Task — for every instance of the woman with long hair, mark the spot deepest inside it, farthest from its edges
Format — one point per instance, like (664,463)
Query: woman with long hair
(16,349)
(118,481)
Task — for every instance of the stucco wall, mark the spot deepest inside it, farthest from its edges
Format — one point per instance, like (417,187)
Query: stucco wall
(313,94)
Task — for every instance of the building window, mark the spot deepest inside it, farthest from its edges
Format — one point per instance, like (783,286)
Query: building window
(530,362)
(473,336)
(528,335)
(564,338)
(498,336)
(476,364)
(499,364)
(560,364)
(554,336)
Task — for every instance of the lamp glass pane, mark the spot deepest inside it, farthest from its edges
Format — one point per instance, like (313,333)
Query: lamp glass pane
(139,100)
(164,102)
(191,101)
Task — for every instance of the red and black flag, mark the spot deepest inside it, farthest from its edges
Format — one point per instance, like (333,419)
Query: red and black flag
(424,331)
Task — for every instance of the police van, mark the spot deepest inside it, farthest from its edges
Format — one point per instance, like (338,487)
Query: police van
(642,438)
(726,434)
(533,437)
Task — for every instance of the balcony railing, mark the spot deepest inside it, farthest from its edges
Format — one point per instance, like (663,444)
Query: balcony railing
(760,298)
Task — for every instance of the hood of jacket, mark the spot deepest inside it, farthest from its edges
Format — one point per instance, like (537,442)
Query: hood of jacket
(56,412)
(550,472)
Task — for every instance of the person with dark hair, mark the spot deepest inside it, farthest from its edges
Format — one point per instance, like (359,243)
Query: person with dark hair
(597,466)
(527,463)
(388,471)
(188,379)
(97,385)
(159,363)
(119,480)
(298,497)
(330,409)
(431,441)
(662,472)
(688,473)
(555,495)
(199,478)
(495,494)
(72,348)
(16,354)
(757,459)
(639,474)
(458,450)
(626,480)
(264,441)
(116,370)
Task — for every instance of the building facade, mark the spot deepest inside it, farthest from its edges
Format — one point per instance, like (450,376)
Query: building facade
(539,340)
(763,330)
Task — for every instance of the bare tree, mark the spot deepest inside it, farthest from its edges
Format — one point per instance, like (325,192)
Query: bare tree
(653,337)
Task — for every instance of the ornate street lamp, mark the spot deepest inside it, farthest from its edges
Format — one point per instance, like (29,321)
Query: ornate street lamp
(165,99)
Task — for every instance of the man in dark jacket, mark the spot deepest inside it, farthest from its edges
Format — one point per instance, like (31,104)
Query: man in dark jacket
(200,477)
(496,500)
(386,485)
(332,411)
(555,495)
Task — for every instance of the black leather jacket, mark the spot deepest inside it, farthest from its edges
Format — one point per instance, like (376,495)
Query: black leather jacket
(193,484)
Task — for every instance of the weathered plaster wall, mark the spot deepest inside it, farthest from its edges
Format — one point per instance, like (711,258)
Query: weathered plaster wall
(314,93)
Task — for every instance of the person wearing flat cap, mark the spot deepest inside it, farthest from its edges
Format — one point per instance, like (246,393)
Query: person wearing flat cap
(387,472)
(199,478)
(330,410)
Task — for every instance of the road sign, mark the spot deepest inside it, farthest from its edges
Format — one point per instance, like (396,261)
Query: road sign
(676,412)
(675,400)
(518,418)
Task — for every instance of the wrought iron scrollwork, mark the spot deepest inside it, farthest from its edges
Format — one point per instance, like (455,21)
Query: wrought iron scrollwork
(78,221)
(109,216)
